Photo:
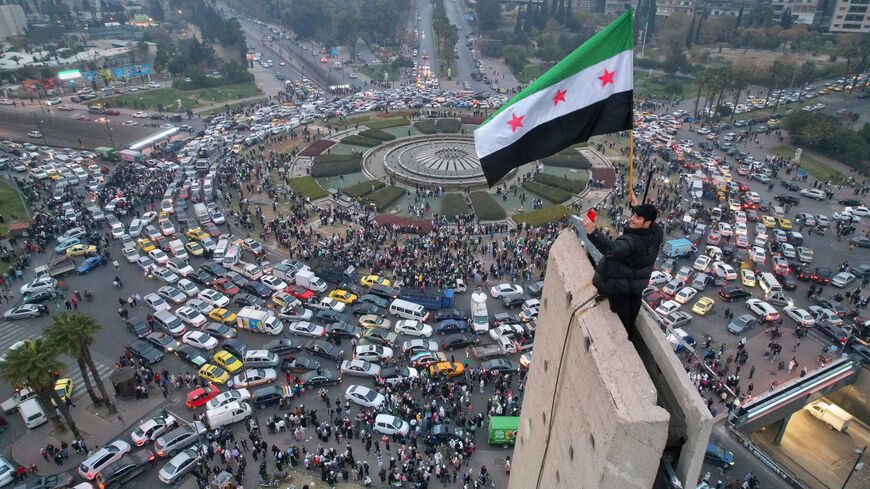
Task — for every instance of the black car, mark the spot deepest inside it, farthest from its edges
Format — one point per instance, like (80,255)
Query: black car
(191,355)
(270,395)
(787,280)
(139,328)
(258,289)
(201,277)
(790,185)
(535,289)
(283,346)
(822,275)
(319,377)
(363,309)
(860,271)
(125,469)
(331,316)
(393,376)
(64,479)
(343,329)
(499,365)
(384,291)
(832,305)
(860,242)
(458,340)
(787,199)
(444,432)
(245,299)
(512,300)
(236,278)
(298,364)
(235,347)
(851,202)
(39,296)
(502,318)
(374,300)
(835,333)
(325,349)
(213,268)
(145,351)
(220,331)
(733,293)
(450,313)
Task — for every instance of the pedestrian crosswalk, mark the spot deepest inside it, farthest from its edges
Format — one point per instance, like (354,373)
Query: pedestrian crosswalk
(74,372)
(12,332)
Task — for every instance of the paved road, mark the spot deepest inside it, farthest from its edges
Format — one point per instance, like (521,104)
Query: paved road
(61,129)
(455,12)
(426,39)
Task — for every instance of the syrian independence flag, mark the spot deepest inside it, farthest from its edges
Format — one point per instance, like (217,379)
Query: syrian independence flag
(588,93)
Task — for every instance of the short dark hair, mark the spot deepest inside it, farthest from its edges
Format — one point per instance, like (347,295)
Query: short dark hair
(647,211)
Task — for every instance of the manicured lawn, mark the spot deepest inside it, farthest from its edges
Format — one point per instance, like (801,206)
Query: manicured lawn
(552,194)
(376,72)
(656,86)
(385,197)
(385,123)
(453,205)
(812,166)
(11,207)
(308,187)
(191,99)
(486,207)
(543,216)
(364,188)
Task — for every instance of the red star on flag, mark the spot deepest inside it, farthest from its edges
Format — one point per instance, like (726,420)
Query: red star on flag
(607,78)
(559,97)
(516,122)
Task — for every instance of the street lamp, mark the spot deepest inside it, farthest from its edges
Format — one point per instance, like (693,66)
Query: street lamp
(42,133)
(858,465)
(109,132)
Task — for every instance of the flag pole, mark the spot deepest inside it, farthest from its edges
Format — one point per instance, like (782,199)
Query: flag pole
(631,158)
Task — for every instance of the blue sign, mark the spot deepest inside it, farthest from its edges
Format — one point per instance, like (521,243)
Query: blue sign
(802,173)
(336,51)
(136,70)
(118,73)
(89,76)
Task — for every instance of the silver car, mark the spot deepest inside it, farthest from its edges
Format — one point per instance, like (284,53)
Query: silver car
(178,466)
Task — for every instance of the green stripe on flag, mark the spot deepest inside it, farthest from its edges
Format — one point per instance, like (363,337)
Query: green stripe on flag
(607,43)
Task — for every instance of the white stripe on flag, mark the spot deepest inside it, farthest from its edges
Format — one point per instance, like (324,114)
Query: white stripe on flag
(583,89)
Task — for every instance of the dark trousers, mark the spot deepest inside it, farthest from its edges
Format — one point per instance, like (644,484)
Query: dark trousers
(626,307)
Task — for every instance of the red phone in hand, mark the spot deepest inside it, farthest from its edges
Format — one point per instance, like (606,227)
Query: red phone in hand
(591,214)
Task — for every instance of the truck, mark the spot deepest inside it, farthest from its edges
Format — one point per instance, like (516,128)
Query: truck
(201,211)
(338,274)
(676,248)
(259,321)
(307,279)
(503,429)
(503,345)
(434,301)
(832,414)
(56,267)
(131,156)
(479,313)
(108,154)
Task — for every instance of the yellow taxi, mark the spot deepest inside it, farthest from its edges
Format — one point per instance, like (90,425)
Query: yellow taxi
(237,148)
(194,248)
(703,306)
(343,296)
(145,244)
(226,360)
(196,233)
(784,223)
(64,389)
(222,315)
(370,280)
(747,277)
(162,216)
(282,298)
(213,373)
(81,249)
(768,221)
(447,369)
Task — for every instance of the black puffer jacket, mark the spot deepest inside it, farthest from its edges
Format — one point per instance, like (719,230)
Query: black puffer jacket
(628,260)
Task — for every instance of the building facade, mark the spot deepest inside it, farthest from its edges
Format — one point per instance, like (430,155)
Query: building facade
(851,16)
(13,22)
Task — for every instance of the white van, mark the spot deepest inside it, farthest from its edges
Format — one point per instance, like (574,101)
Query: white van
(135,228)
(408,310)
(227,414)
(221,249)
(832,414)
(769,283)
(32,413)
(231,255)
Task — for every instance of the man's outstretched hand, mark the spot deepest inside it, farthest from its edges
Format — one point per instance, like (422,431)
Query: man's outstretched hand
(632,199)
(588,225)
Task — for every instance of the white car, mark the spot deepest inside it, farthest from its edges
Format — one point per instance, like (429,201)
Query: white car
(800,316)
(273,282)
(659,277)
(156,302)
(191,316)
(378,353)
(254,376)
(763,310)
(740,229)
(666,308)
(131,255)
(179,266)
(148,218)
(158,256)
(805,254)
(140,115)
(199,339)
(502,289)
(702,263)
(171,294)
(740,217)
(413,327)
(165,275)
(725,270)
(859,211)
(813,193)
(200,305)
(725,229)
(34,134)
(224,398)
(360,368)
(150,429)
(330,303)
(757,254)
(685,295)
(306,328)
(787,250)
(25,311)
(102,458)
(189,288)
(389,425)
(364,396)
(166,227)
(39,285)
(214,298)
(842,279)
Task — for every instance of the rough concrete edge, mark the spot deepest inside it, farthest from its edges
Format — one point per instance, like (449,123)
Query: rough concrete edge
(699,421)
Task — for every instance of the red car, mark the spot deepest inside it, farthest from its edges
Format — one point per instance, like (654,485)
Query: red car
(211,229)
(200,396)
(299,292)
(111,112)
(225,286)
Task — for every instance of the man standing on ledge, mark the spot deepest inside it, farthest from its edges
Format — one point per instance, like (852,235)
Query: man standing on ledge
(624,271)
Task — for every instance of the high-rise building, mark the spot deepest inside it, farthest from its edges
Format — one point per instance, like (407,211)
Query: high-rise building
(851,16)
(802,11)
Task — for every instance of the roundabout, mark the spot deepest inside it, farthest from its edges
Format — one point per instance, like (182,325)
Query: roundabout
(449,161)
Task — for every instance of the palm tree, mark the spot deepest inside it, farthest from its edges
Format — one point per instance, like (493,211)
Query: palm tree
(701,76)
(739,82)
(34,364)
(74,333)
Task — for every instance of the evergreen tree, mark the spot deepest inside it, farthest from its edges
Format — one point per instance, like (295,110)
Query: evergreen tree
(560,12)
(543,15)
(518,26)
(690,35)
(739,17)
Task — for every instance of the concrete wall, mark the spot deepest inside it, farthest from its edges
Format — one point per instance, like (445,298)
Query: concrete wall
(855,398)
(13,22)
(594,422)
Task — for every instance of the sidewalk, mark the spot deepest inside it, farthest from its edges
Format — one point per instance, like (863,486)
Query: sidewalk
(96,425)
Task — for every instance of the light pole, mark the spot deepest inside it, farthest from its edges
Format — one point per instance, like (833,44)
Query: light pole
(858,465)
(109,132)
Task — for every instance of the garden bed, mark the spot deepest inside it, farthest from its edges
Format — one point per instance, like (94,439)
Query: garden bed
(552,194)
(486,207)
(543,216)
(385,123)
(308,187)
(453,205)
(316,147)
(364,188)
(569,158)
(385,197)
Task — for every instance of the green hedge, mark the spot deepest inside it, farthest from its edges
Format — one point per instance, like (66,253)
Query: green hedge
(308,187)
(486,207)
(449,125)
(573,186)
(363,188)
(361,141)
(568,159)
(385,197)
(385,123)
(432,126)
(427,126)
(543,216)
(377,134)
(335,158)
(320,169)
(552,194)
(453,205)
